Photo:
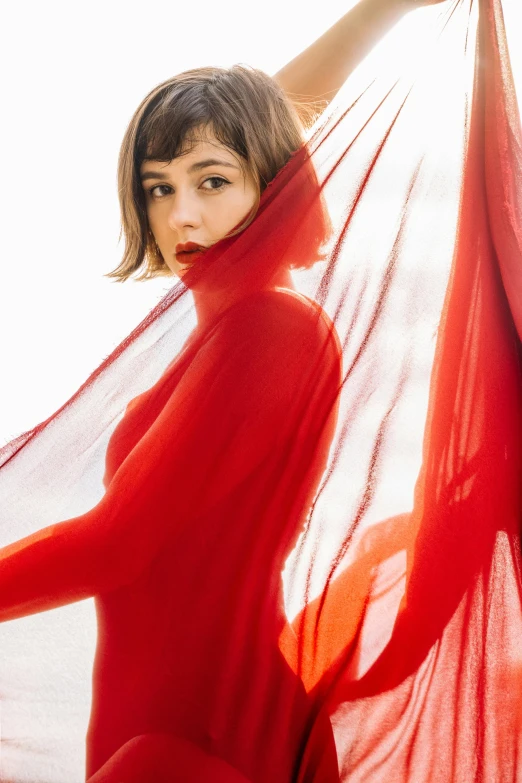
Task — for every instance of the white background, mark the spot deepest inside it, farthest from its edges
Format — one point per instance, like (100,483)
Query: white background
(72,73)
(71,76)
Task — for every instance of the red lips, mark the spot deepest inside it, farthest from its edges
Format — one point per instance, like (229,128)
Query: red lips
(187,252)
(188,247)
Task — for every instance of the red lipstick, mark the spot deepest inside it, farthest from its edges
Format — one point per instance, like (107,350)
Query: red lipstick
(187,252)
(188,247)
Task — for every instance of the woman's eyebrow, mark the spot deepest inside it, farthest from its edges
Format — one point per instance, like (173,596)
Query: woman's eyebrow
(200,164)
(153,175)
(203,164)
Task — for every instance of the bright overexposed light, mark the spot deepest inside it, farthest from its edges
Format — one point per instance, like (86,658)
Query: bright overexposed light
(72,75)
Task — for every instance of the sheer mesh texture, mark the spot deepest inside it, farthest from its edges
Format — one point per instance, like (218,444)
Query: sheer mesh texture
(299,518)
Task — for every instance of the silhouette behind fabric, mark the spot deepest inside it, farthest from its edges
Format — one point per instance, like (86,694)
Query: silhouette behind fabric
(301,523)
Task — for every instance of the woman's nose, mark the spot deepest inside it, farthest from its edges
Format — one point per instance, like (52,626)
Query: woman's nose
(184,213)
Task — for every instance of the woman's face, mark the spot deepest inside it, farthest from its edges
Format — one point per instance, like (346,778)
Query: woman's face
(196,200)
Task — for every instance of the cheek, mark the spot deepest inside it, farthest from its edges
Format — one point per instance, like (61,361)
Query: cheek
(225,215)
(156,224)
(162,233)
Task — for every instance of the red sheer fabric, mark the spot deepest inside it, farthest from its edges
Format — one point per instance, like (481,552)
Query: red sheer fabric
(300,518)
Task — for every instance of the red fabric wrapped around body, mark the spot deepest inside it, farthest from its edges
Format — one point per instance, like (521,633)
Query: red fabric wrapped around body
(299,518)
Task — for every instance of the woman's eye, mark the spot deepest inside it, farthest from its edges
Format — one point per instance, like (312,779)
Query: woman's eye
(215,183)
(159,190)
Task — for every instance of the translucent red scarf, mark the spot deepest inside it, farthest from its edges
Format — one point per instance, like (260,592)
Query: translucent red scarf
(300,519)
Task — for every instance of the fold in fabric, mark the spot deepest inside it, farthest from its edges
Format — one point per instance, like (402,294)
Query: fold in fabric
(300,521)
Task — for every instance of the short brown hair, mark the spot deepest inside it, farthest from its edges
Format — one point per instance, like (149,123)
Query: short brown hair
(245,109)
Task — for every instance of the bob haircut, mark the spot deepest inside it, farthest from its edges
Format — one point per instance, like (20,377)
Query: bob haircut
(247,112)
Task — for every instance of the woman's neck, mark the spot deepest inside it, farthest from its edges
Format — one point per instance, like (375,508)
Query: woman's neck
(209,306)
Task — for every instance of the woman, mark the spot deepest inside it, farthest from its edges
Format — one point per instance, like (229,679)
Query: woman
(160,711)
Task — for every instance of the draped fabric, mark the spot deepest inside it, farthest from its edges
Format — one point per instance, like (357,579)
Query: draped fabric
(299,518)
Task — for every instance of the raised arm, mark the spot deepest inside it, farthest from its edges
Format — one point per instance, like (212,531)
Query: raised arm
(225,417)
(317,73)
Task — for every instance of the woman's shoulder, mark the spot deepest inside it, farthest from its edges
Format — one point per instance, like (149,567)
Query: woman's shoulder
(275,308)
(275,328)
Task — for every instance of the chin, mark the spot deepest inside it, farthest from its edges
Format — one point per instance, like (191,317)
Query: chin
(176,270)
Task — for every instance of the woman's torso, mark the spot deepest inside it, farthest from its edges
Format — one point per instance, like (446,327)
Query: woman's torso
(191,646)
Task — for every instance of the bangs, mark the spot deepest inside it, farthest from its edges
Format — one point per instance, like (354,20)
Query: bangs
(179,121)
